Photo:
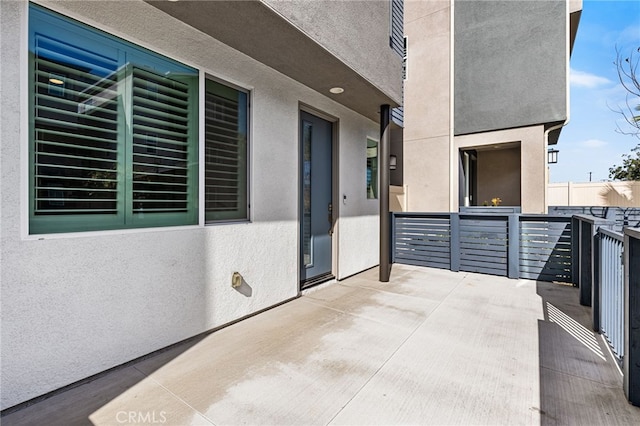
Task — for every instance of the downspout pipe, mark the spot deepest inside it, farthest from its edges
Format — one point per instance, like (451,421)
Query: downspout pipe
(385,219)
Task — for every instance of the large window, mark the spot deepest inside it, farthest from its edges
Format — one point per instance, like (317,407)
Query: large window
(113,141)
(225,153)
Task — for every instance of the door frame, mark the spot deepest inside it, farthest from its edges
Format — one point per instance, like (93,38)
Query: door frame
(335,122)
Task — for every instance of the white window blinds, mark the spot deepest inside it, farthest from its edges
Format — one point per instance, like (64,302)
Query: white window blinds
(113,131)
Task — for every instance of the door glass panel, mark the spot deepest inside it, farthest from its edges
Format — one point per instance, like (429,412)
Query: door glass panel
(306,194)
(372,169)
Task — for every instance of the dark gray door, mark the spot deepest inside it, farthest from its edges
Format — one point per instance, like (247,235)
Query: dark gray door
(316,211)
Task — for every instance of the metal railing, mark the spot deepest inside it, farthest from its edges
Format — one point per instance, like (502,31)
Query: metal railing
(608,266)
(611,288)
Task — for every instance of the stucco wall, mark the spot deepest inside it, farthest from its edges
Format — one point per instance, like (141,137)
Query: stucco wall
(510,64)
(427,148)
(76,304)
(356,31)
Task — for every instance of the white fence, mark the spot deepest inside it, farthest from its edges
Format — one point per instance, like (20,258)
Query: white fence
(621,194)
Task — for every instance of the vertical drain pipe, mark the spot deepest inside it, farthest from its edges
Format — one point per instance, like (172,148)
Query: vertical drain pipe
(385,225)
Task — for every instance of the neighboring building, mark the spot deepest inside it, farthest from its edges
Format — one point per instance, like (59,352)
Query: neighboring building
(152,149)
(486,93)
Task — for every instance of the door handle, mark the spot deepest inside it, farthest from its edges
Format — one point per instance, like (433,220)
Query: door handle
(330,217)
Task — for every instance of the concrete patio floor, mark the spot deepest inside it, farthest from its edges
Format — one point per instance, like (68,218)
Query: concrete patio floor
(429,347)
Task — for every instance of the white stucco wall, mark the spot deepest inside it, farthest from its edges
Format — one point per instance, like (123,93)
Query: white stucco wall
(74,305)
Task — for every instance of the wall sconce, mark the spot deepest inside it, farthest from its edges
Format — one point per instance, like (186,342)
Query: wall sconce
(552,156)
(393,162)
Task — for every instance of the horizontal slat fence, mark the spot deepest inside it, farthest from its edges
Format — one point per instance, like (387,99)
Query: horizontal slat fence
(504,244)
(545,248)
(484,244)
(423,240)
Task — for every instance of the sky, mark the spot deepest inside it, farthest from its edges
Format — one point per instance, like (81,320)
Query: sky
(590,142)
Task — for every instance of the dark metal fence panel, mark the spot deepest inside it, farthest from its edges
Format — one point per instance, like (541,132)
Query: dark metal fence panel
(631,359)
(518,246)
(484,244)
(545,248)
(422,240)
(619,216)
(612,290)
(626,216)
(596,211)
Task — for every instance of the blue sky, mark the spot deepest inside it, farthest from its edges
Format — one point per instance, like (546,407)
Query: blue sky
(590,143)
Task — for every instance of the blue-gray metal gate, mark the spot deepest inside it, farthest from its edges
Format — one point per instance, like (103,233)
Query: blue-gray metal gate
(484,244)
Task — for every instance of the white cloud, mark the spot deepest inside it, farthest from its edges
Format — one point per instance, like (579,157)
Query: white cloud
(628,36)
(585,79)
(594,143)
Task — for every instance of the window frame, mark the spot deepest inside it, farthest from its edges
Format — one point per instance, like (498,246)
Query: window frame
(64,27)
(247,152)
(375,187)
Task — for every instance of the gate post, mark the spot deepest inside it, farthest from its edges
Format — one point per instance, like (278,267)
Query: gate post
(596,260)
(513,247)
(631,359)
(454,242)
(588,271)
(575,251)
(586,245)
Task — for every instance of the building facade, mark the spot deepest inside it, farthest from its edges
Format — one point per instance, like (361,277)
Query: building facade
(486,93)
(169,167)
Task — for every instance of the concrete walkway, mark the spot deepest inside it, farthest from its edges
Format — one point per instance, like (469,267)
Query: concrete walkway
(429,347)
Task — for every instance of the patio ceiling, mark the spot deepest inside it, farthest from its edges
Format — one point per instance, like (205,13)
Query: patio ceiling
(260,32)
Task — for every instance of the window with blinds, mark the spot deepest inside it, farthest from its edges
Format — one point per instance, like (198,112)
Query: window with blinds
(75,118)
(113,131)
(396,26)
(160,143)
(226,191)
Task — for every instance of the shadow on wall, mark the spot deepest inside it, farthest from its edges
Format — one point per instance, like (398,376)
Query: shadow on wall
(621,194)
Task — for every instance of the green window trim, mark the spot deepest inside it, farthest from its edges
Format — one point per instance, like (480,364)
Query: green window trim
(113,132)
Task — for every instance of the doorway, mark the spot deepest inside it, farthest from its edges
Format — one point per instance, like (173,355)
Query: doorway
(316,198)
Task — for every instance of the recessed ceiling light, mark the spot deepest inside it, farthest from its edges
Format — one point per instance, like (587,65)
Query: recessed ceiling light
(55,81)
(336,90)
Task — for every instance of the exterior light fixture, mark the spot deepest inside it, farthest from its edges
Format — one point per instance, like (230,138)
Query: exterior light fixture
(552,156)
(393,162)
(336,90)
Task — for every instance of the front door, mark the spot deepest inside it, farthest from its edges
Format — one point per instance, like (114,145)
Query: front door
(316,210)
